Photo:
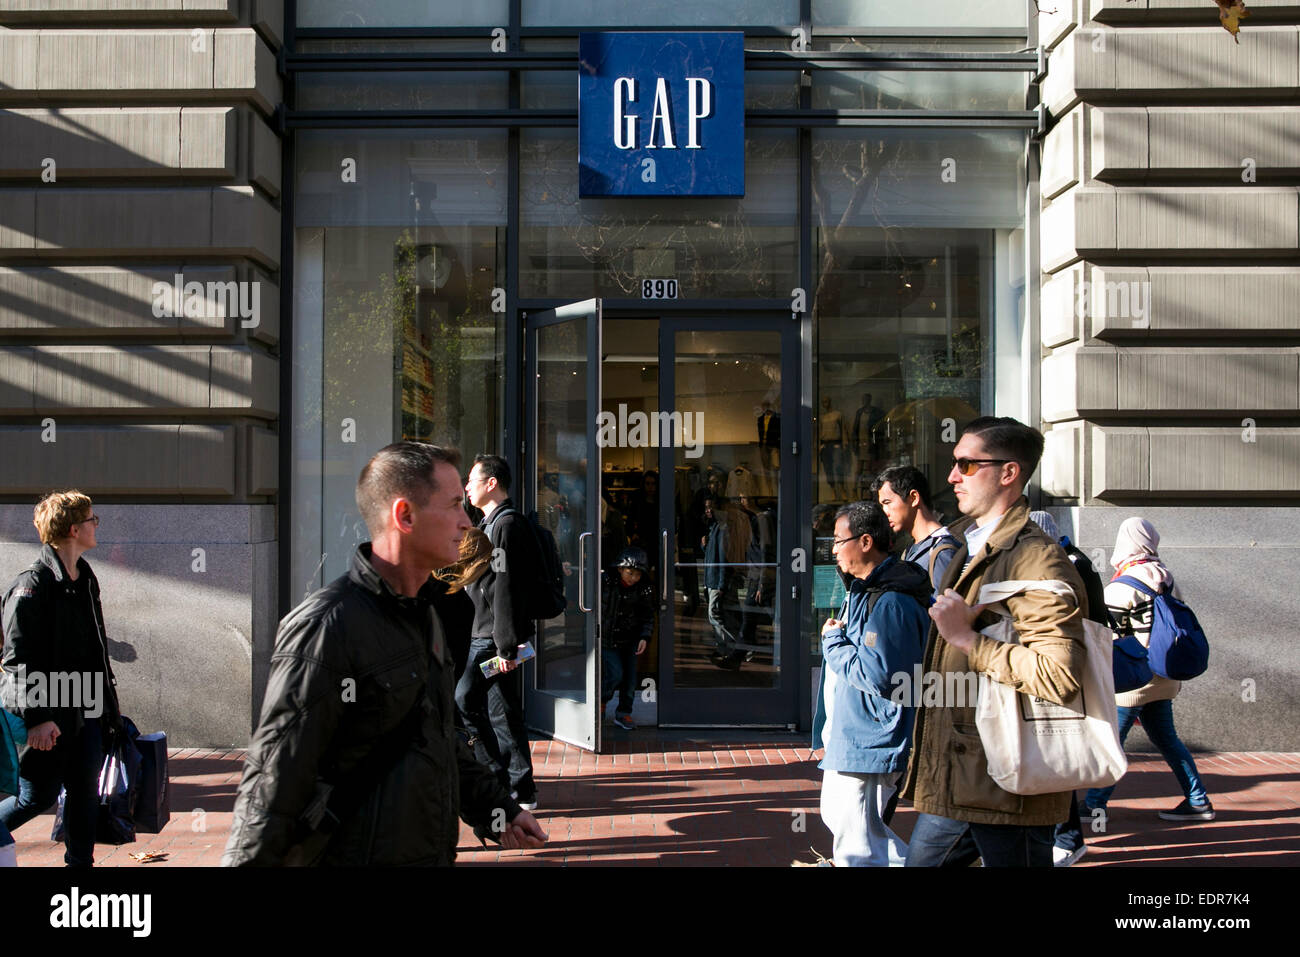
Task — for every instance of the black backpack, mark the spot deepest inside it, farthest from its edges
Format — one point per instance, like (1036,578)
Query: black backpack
(545,598)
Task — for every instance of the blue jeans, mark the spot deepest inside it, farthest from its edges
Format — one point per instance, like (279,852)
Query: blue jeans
(1158,722)
(619,674)
(942,842)
(73,763)
(1069,833)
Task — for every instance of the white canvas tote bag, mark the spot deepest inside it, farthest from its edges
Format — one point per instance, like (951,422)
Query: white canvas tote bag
(1035,746)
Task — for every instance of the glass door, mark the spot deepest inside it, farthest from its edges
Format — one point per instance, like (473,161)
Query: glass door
(561,472)
(728,652)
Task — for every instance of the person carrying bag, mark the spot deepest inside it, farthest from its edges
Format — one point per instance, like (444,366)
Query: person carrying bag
(1135,611)
(1034,746)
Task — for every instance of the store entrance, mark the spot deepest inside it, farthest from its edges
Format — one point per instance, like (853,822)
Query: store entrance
(677,421)
(695,472)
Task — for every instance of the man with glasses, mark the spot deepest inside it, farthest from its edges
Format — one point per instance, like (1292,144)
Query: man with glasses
(53,629)
(963,813)
(867,732)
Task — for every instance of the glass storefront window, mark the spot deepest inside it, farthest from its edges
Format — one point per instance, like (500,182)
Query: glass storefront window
(918,90)
(716,248)
(478,90)
(395,336)
(381,45)
(402,13)
(659,13)
(929,14)
(911,299)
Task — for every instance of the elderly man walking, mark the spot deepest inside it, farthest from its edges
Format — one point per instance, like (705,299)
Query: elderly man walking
(880,634)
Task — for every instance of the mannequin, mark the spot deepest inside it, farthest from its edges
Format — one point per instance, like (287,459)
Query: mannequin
(830,434)
(863,441)
(769,445)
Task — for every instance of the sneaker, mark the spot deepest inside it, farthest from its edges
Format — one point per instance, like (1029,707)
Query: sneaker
(625,722)
(1064,857)
(1187,811)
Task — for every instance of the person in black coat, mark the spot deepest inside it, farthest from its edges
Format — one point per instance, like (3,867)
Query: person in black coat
(57,675)
(627,612)
(356,760)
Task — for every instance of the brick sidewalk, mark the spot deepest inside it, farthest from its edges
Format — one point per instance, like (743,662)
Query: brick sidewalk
(680,801)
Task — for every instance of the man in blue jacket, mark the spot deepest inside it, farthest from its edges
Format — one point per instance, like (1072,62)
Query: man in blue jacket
(881,633)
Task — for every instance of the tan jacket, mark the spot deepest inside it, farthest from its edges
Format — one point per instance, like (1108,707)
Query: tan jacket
(948,774)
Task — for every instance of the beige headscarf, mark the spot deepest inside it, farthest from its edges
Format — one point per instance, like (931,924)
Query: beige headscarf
(1138,540)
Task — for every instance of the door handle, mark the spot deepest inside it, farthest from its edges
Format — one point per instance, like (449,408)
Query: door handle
(582,572)
(663,570)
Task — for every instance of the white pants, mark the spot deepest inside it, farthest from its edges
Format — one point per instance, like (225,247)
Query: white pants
(851,807)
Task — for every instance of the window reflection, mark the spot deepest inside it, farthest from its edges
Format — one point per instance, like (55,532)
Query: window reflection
(716,248)
(906,229)
(395,332)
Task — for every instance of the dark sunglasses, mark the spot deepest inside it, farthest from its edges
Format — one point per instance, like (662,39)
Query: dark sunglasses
(971,466)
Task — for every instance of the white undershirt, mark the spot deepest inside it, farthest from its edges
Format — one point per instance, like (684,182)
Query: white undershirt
(976,536)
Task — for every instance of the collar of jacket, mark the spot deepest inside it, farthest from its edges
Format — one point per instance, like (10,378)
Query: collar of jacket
(1003,537)
(506,503)
(865,584)
(50,559)
(363,573)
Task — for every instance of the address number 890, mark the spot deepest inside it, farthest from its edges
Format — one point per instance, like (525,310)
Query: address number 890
(659,289)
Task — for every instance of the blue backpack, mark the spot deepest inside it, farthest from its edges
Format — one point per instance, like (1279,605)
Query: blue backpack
(1178,648)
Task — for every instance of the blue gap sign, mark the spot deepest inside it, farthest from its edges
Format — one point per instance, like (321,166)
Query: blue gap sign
(661,114)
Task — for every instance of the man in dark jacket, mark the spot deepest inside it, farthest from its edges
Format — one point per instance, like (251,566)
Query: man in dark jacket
(866,730)
(57,677)
(493,708)
(356,759)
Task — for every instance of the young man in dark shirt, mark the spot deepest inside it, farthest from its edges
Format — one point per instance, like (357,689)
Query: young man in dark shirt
(493,708)
(904,494)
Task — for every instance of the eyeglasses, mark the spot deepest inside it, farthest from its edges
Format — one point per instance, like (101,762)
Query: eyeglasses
(840,541)
(971,466)
(93,520)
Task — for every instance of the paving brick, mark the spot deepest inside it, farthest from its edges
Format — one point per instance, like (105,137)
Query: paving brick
(662,803)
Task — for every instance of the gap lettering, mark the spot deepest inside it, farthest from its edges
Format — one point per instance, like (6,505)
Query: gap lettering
(661,114)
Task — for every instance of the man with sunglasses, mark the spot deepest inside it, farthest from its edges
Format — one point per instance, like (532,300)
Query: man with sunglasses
(963,814)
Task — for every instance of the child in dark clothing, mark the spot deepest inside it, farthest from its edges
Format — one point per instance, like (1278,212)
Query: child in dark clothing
(627,611)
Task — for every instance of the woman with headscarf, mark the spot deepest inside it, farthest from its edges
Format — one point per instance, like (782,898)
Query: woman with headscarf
(1136,556)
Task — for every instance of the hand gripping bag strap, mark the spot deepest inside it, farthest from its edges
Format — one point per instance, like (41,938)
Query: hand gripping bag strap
(1035,746)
